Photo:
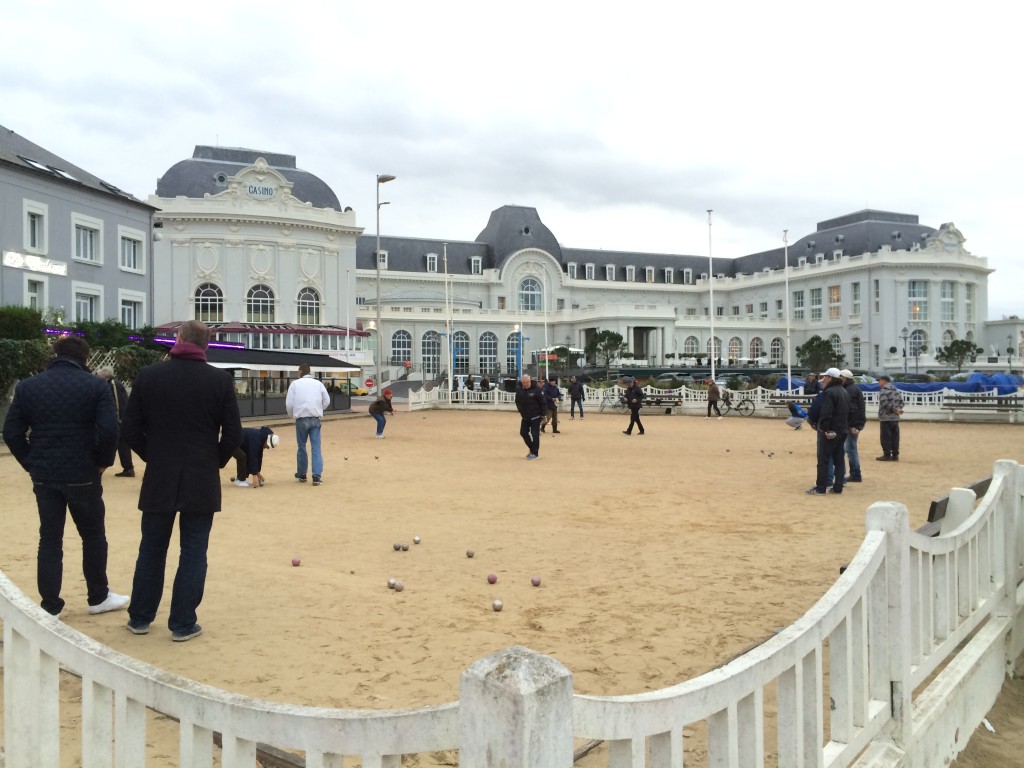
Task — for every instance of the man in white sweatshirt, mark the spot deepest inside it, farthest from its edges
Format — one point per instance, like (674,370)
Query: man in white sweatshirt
(307,397)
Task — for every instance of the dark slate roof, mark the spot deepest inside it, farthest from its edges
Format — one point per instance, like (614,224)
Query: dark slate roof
(17,151)
(267,359)
(513,228)
(207,170)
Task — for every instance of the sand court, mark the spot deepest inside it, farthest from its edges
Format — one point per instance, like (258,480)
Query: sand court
(660,557)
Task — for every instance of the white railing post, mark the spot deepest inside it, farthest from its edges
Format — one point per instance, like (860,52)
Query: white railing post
(1010,506)
(894,520)
(516,711)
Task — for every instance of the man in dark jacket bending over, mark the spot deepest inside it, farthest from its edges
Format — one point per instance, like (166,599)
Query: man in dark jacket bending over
(832,425)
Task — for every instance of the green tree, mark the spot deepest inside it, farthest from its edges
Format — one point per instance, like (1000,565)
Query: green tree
(130,359)
(20,359)
(110,334)
(604,347)
(957,353)
(20,323)
(817,354)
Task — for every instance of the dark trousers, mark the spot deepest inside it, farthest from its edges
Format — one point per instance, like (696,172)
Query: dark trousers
(190,579)
(85,502)
(889,433)
(529,430)
(634,418)
(831,451)
(572,408)
(551,415)
(713,404)
(124,455)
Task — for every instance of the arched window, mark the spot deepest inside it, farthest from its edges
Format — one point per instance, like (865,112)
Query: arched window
(948,337)
(401,347)
(259,304)
(430,352)
(756,347)
(488,352)
(918,339)
(837,344)
(308,307)
(715,350)
(511,345)
(777,350)
(691,346)
(735,348)
(209,303)
(460,352)
(530,295)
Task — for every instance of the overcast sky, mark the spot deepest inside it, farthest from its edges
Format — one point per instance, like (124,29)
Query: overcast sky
(620,123)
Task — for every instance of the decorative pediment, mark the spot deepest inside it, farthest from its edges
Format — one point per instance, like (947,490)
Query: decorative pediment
(948,238)
(259,183)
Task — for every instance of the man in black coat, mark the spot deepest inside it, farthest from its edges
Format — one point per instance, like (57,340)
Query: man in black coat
(634,397)
(858,419)
(183,422)
(120,395)
(531,407)
(832,425)
(62,428)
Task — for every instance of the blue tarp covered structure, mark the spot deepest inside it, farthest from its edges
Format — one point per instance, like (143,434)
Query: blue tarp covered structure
(1003,383)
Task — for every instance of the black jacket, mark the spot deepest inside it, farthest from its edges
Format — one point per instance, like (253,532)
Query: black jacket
(576,391)
(530,402)
(253,440)
(835,409)
(634,397)
(858,412)
(183,422)
(73,423)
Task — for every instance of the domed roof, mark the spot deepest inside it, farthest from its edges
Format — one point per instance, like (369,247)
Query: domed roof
(209,168)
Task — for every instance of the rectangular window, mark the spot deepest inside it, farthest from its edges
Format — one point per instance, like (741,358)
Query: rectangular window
(802,261)
(798,305)
(687,277)
(630,274)
(130,250)
(572,270)
(590,271)
(609,272)
(749,309)
(917,299)
(762,310)
(85,243)
(857,362)
(476,265)
(501,302)
(736,309)
(649,274)
(670,275)
(431,262)
(382,259)
(877,298)
(131,313)
(968,303)
(835,302)
(85,307)
(948,300)
(34,239)
(855,298)
(560,304)
(815,304)
(779,311)
(87,237)
(35,294)
(35,232)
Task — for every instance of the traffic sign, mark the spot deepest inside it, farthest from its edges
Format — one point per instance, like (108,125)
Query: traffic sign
(369,382)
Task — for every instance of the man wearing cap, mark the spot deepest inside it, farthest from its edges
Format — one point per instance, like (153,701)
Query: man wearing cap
(552,397)
(858,418)
(249,456)
(634,397)
(381,406)
(530,404)
(832,426)
(890,408)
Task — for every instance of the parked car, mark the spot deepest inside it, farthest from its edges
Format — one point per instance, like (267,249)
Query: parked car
(350,387)
(672,381)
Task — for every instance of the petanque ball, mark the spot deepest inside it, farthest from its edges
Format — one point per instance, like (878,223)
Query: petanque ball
(391,583)
(296,561)
(492,578)
(497,605)
(399,586)
(470,553)
(405,547)
(535,581)
(398,546)
(415,539)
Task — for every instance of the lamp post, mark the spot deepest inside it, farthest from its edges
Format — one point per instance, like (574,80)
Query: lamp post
(712,352)
(905,334)
(789,366)
(382,178)
(348,315)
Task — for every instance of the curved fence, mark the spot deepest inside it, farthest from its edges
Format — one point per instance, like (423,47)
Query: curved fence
(894,666)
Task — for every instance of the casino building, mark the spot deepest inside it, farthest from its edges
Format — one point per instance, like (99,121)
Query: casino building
(265,253)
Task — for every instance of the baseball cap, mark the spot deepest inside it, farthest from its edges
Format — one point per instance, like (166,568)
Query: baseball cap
(273,440)
(387,393)
(846,373)
(833,372)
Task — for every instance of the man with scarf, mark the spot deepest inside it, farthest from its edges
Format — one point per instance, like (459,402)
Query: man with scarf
(183,421)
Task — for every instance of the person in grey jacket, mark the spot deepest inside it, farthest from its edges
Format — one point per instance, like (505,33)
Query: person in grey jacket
(890,408)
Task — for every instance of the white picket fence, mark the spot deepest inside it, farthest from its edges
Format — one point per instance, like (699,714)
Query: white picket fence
(894,666)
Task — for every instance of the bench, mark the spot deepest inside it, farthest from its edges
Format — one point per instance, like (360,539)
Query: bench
(782,401)
(1011,404)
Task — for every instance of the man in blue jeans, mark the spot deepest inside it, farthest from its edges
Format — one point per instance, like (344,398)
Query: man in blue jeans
(62,429)
(307,397)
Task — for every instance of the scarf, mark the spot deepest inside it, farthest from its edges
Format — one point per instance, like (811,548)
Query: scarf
(186,350)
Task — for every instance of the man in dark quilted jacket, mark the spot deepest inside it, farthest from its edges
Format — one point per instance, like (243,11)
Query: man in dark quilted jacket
(62,428)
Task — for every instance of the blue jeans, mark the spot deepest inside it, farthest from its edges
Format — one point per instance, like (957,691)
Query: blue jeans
(85,502)
(190,578)
(852,457)
(381,422)
(308,427)
(572,408)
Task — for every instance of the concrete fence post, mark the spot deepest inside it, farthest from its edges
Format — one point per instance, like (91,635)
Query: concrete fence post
(515,710)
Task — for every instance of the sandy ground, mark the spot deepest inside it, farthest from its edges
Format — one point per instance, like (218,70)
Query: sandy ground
(660,556)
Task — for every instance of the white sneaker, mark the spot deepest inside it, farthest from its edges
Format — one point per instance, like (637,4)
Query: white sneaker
(379,437)
(114,602)
(719,418)
(243,483)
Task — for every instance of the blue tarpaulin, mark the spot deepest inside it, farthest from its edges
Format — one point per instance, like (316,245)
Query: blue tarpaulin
(1003,383)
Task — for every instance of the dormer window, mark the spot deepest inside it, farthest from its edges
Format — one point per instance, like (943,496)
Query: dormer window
(476,265)
(649,274)
(687,277)
(609,272)
(670,275)
(382,259)
(431,262)
(630,274)
(571,268)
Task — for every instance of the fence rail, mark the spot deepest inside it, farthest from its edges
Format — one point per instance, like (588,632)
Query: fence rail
(894,666)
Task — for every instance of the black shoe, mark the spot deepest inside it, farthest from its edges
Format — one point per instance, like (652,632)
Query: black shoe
(885,458)
(641,431)
(895,458)
(555,432)
(300,478)
(181,635)
(126,473)
(626,433)
(852,480)
(317,480)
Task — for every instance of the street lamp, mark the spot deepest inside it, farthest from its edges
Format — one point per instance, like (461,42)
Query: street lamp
(382,178)
(905,334)
(519,349)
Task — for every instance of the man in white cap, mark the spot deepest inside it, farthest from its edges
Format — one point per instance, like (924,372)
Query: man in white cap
(858,418)
(249,456)
(832,426)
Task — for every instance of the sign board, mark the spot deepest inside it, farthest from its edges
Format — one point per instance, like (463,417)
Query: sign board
(369,382)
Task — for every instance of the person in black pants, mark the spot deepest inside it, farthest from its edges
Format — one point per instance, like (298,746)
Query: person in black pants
(531,406)
(576,394)
(634,399)
(120,394)
(833,426)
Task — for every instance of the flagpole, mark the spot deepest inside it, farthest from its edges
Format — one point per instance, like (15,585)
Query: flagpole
(789,343)
(711,299)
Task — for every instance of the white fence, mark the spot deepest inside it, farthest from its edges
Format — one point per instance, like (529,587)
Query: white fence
(894,666)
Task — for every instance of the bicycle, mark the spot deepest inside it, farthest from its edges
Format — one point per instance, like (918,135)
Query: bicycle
(745,407)
(611,399)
